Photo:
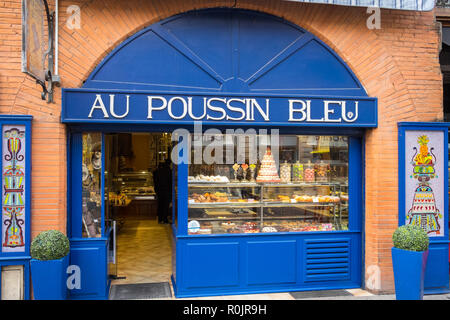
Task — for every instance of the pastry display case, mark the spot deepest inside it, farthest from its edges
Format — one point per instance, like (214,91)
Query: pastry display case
(131,186)
(303,207)
(302,186)
(132,195)
(266,207)
(223,208)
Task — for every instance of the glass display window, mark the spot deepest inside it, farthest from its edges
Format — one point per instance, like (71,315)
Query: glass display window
(300,185)
(224,208)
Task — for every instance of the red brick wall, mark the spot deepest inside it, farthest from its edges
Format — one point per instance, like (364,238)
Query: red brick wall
(19,94)
(397,63)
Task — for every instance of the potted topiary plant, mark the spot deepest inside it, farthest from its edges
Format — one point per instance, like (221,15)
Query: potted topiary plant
(49,262)
(409,258)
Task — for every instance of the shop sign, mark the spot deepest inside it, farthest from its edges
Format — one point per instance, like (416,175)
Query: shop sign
(80,105)
(424,185)
(33,43)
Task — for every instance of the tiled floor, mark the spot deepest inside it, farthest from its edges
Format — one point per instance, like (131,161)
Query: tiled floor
(144,252)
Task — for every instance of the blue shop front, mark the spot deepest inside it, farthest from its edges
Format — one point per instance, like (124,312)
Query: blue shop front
(284,213)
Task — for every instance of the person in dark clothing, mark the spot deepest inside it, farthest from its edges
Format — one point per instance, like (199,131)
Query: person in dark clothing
(162,179)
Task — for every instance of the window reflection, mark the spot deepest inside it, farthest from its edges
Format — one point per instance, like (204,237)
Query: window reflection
(91,182)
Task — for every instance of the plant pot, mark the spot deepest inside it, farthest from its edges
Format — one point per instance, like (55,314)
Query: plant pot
(49,278)
(409,273)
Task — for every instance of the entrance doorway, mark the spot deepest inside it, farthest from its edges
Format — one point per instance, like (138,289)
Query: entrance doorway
(133,201)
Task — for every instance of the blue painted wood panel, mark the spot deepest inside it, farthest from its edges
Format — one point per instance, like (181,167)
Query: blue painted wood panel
(226,50)
(271,261)
(437,270)
(211,264)
(90,256)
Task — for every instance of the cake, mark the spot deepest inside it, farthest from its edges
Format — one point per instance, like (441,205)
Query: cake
(268,171)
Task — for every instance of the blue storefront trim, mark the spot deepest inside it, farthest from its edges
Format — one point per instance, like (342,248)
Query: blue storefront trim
(437,271)
(78,105)
(238,263)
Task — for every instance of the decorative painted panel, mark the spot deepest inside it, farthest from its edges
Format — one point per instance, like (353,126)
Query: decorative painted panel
(13,195)
(424,185)
(423,198)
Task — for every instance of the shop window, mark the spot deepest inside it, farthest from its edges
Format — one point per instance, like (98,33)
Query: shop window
(91,190)
(253,186)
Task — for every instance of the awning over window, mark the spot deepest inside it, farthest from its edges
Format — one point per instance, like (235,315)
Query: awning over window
(416,5)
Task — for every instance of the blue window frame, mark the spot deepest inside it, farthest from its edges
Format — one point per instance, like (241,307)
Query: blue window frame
(437,270)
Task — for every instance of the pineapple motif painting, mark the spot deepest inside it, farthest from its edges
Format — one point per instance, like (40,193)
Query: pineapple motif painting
(423,161)
(424,212)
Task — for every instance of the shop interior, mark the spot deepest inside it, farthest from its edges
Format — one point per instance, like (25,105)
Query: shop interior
(143,245)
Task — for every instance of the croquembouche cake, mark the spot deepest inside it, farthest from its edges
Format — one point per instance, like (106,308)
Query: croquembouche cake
(268,171)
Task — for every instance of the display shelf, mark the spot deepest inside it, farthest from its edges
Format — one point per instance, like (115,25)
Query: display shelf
(269,204)
(263,184)
(218,219)
(206,205)
(224,185)
(299,184)
(258,204)
(268,218)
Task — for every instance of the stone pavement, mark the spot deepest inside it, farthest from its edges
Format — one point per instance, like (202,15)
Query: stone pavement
(356,294)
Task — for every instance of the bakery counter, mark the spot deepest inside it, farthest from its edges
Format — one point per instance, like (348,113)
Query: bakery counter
(140,196)
(140,207)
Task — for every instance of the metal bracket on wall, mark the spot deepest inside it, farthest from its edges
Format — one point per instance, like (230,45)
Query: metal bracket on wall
(47,88)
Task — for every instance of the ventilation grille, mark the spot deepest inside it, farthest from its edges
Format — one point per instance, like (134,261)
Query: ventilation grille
(327,259)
